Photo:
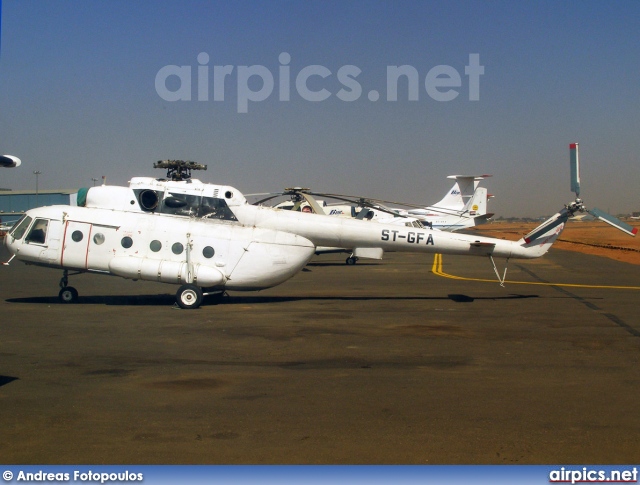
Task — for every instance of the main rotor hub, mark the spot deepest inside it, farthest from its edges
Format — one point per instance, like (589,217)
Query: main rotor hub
(179,169)
(576,206)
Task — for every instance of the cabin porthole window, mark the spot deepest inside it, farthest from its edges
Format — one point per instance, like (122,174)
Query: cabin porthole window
(155,246)
(177,248)
(77,236)
(98,238)
(208,252)
(126,242)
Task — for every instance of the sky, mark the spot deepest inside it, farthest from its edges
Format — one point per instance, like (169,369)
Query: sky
(274,94)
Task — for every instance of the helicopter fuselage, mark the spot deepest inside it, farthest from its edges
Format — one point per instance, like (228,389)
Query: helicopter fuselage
(205,236)
(157,247)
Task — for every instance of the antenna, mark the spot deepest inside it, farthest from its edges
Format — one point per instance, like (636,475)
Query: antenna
(179,169)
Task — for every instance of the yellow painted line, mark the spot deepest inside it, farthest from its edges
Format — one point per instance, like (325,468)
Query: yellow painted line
(437,270)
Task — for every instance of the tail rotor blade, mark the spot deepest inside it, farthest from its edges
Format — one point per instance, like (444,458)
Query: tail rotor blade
(617,223)
(574,162)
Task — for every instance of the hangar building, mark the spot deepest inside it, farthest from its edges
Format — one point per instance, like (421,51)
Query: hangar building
(13,203)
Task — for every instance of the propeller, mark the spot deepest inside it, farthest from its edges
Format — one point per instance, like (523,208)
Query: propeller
(578,205)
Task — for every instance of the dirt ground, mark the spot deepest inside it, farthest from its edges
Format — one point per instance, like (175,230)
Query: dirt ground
(593,237)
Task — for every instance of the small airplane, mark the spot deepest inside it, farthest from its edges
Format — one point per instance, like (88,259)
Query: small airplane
(208,239)
(9,161)
(464,206)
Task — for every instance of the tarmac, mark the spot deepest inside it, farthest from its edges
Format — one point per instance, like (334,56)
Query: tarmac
(408,360)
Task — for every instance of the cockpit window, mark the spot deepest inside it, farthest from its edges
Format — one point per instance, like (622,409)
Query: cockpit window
(416,224)
(197,206)
(181,204)
(21,227)
(38,233)
(213,208)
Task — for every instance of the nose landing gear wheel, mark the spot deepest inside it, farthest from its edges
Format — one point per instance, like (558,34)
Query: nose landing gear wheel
(351,260)
(189,297)
(68,294)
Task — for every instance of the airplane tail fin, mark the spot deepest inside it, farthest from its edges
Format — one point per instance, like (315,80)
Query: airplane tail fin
(477,205)
(452,200)
(461,193)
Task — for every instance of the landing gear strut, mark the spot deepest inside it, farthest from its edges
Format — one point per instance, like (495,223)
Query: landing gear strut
(351,260)
(68,294)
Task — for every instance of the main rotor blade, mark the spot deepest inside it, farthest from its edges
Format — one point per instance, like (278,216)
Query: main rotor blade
(613,221)
(574,165)
(273,196)
(312,202)
(354,199)
(359,200)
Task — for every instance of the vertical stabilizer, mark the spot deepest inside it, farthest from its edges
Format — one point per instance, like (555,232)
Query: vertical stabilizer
(540,240)
(452,200)
(477,205)
(461,193)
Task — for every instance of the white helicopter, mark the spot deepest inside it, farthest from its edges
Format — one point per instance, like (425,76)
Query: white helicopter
(463,206)
(208,239)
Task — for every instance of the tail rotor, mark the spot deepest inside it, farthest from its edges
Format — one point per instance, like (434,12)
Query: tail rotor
(578,204)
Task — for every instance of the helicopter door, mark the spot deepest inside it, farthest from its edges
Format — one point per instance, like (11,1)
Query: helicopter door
(76,244)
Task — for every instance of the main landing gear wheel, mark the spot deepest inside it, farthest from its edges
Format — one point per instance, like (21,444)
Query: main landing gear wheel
(351,260)
(189,297)
(68,294)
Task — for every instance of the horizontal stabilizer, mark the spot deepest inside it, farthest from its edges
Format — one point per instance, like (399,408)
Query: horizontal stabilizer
(478,244)
(483,218)
(474,177)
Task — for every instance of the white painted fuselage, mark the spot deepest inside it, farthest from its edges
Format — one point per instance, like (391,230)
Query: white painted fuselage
(165,248)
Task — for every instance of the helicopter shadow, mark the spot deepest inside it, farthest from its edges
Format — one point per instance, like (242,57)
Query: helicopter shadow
(169,300)
(337,263)
(4,380)
(115,300)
